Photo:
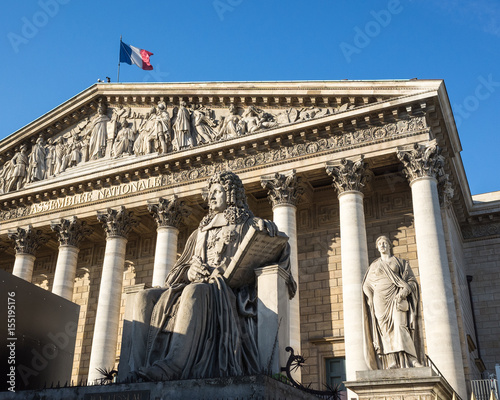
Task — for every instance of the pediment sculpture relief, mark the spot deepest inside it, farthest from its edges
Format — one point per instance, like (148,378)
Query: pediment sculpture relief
(115,132)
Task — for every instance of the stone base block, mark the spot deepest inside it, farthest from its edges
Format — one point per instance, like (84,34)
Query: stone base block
(401,384)
(248,387)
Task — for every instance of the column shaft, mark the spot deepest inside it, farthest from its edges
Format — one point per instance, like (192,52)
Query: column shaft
(23,266)
(354,256)
(284,216)
(441,325)
(107,319)
(165,253)
(64,277)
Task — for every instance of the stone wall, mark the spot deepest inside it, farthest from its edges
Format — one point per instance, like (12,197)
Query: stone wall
(458,266)
(483,263)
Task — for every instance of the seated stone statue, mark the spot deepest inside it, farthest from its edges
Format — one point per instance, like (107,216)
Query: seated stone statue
(197,326)
(390,308)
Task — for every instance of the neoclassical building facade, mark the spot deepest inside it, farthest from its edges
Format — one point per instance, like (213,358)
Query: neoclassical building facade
(99,195)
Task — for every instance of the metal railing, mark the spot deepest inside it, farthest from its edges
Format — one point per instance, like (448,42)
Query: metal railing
(482,388)
(437,371)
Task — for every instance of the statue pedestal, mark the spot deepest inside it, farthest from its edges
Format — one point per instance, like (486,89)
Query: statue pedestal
(241,388)
(401,384)
(128,317)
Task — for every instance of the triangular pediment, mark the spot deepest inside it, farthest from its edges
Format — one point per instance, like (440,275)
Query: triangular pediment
(115,124)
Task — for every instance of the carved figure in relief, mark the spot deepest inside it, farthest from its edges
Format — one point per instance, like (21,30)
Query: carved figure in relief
(254,119)
(50,158)
(390,308)
(37,159)
(99,134)
(312,112)
(61,152)
(18,169)
(183,137)
(198,326)
(74,151)
(203,125)
(4,176)
(142,143)
(230,126)
(124,141)
(161,128)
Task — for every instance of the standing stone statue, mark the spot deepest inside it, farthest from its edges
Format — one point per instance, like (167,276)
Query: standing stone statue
(50,158)
(99,135)
(182,128)
(390,308)
(18,170)
(37,161)
(161,128)
(197,326)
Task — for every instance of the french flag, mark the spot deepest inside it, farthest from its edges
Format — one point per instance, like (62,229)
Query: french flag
(133,55)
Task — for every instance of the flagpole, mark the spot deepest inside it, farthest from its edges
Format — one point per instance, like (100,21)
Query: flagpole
(118,77)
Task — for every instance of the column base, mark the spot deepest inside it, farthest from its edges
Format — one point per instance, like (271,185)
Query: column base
(401,384)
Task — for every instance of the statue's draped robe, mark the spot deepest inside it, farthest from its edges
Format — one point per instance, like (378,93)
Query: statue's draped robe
(182,128)
(390,326)
(98,137)
(122,141)
(37,163)
(199,330)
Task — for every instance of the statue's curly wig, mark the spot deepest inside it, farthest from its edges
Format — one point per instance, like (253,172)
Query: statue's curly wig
(237,207)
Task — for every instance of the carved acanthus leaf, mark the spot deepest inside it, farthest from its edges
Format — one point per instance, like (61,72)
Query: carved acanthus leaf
(422,161)
(283,188)
(70,231)
(27,241)
(117,222)
(349,175)
(168,211)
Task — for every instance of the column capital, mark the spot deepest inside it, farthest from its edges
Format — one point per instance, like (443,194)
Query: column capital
(117,222)
(27,240)
(422,161)
(284,188)
(70,231)
(168,211)
(349,175)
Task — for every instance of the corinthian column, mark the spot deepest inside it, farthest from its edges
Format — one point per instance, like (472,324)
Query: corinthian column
(349,179)
(117,223)
(27,241)
(284,192)
(423,166)
(168,214)
(70,232)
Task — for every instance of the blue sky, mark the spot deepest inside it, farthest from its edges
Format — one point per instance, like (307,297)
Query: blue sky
(54,49)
